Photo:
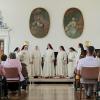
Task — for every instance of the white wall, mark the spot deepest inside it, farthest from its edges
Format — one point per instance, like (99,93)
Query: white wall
(17,13)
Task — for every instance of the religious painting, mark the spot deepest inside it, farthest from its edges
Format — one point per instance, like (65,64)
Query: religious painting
(73,23)
(39,22)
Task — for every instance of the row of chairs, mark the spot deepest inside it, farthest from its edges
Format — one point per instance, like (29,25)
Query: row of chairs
(12,76)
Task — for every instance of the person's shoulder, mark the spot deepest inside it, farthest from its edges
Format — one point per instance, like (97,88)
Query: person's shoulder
(8,59)
(97,60)
(65,53)
(17,60)
(1,66)
(82,59)
(51,50)
(20,53)
(74,52)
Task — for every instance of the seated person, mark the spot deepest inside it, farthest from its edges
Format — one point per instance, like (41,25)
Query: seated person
(3,81)
(2,71)
(88,61)
(24,70)
(98,55)
(25,73)
(11,63)
(98,58)
(3,59)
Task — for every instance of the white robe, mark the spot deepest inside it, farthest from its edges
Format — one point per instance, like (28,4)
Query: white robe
(24,57)
(61,68)
(17,54)
(78,55)
(71,63)
(48,69)
(36,60)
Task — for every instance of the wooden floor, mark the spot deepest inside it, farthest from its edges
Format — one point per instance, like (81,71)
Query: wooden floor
(48,92)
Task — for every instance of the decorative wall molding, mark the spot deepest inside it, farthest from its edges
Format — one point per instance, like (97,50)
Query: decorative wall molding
(4,35)
(3,25)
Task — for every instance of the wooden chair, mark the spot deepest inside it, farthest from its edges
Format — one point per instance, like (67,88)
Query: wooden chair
(90,74)
(12,75)
(76,82)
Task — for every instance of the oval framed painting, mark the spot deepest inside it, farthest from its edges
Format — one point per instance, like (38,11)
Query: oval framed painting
(39,22)
(73,23)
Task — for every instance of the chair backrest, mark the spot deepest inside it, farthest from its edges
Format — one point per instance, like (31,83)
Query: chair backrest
(89,72)
(11,73)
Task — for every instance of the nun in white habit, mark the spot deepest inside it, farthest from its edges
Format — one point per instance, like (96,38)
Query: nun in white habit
(48,68)
(71,61)
(36,62)
(61,68)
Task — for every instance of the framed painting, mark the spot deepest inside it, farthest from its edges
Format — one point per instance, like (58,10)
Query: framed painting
(73,23)
(39,22)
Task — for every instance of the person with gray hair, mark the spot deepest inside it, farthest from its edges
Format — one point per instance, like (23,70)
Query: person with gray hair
(12,55)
